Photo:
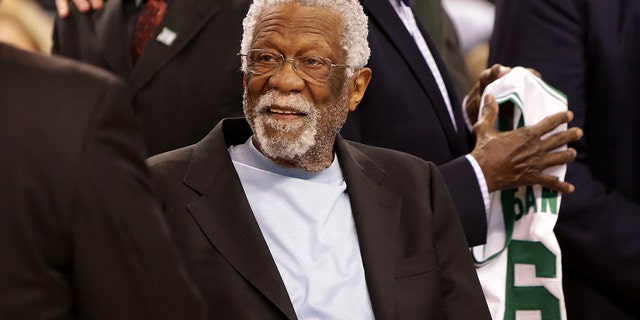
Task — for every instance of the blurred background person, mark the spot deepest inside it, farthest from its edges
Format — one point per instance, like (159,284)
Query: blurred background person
(589,49)
(177,57)
(26,25)
(80,234)
(473,20)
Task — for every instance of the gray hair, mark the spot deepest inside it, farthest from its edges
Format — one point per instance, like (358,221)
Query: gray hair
(354,39)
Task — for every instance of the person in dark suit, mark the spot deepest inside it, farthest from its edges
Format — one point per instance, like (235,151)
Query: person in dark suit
(187,78)
(80,234)
(588,50)
(278,217)
(406,109)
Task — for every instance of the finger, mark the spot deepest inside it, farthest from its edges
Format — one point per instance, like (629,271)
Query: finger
(488,75)
(498,71)
(63,8)
(97,4)
(472,108)
(562,138)
(82,5)
(551,122)
(491,74)
(473,102)
(553,183)
(558,158)
(489,115)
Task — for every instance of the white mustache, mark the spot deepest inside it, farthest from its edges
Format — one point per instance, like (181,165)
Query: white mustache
(291,100)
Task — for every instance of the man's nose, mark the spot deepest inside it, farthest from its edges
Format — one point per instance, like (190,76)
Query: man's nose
(287,79)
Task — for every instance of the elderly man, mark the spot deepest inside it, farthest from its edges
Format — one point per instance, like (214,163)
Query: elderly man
(280,218)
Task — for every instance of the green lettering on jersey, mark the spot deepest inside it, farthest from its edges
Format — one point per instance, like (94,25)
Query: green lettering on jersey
(549,197)
(512,206)
(530,200)
(531,297)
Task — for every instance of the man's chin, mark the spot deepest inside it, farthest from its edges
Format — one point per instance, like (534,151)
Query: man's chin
(285,145)
(284,139)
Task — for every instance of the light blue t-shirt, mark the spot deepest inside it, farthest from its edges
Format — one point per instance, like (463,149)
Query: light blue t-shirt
(306,220)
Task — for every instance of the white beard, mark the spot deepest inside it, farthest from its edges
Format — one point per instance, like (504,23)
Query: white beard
(283,146)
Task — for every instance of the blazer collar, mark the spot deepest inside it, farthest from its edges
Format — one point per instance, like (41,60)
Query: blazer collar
(376,211)
(225,217)
(224,214)
(382,14)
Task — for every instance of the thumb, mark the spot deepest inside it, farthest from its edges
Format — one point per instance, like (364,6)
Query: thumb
(489,115)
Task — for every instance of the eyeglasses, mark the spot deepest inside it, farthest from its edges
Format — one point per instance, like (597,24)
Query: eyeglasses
(315,68)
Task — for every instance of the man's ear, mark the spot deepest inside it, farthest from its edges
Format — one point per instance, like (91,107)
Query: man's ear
(362,79)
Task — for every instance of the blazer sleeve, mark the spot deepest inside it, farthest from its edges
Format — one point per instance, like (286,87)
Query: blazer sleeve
(459,280)
(597,226)
(465,191)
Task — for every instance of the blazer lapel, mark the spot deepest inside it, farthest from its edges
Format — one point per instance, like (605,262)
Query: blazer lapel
(462,133)
(111,37)
(224,215)
(184,19)
(392,26)
(376,212)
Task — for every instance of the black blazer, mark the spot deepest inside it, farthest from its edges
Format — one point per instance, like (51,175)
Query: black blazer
(415,257)
(179,91)
(80,235)
(404,110)
(589,50)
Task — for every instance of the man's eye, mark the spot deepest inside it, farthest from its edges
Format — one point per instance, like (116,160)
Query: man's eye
(267,58)
(311,62)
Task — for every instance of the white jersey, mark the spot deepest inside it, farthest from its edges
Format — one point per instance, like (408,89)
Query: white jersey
(520,266)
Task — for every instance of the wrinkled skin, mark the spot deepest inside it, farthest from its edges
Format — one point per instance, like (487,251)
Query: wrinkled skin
(515,158)
(297,125)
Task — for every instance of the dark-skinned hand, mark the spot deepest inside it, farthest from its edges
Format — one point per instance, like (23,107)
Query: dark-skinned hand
(486,77)
(516,158)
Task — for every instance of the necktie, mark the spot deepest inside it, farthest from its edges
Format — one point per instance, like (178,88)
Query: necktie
(407,3)
(149,20)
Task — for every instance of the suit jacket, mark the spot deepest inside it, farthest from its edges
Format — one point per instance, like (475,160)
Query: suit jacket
(404,110)
(590,53)
(179,91)
(80,235)
(414,253)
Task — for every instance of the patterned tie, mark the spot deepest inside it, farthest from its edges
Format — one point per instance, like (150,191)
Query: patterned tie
(149,20)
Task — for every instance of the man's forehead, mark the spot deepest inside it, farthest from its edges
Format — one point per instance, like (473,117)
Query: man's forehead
(301,17)
(301,24)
